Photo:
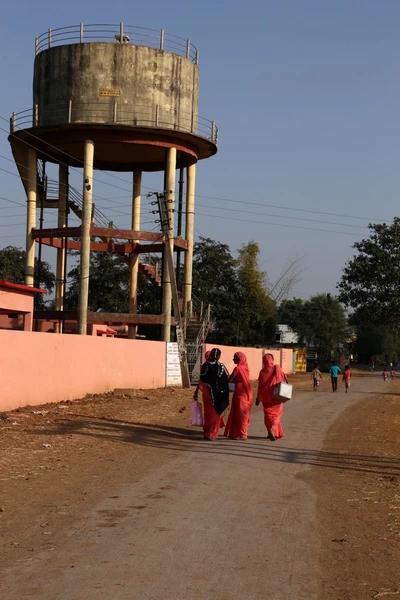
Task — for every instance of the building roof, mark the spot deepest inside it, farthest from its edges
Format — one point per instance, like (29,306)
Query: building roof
(19,287)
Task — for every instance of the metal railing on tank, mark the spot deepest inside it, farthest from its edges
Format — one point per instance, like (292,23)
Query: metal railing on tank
(113,112)
(122,34)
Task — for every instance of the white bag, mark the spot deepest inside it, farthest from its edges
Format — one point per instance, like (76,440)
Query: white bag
(282,391)
(197,413)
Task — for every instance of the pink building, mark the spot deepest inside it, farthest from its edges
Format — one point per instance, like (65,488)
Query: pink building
(16,305)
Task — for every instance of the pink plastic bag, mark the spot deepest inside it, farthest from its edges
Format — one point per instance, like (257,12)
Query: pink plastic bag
(197,413)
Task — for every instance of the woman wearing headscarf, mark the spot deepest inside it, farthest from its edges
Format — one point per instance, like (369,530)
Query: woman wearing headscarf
(239,416)
(269,376)
(214,385)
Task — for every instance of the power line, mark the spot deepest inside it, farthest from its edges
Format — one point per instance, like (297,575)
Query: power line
(280,225)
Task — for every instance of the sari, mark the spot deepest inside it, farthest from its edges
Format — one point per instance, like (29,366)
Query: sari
(239,416)
(269,376)
(215,391)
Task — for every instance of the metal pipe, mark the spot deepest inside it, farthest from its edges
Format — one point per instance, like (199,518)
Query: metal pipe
(162,40)
(62,222)
(39,260)
(66,240)
(188,273)
(85,237)
(179,226)
(81,33)
(31,217)
(134,258)
(170,197)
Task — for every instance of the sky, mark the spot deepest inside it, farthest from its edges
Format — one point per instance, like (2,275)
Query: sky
(305,94)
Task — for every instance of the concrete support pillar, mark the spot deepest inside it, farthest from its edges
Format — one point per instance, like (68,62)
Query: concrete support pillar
(85,237)
(170,175)
(31,217)
(134,259)
(62,222)
(188,274)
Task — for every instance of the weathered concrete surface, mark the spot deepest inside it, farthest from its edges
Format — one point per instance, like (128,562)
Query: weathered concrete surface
(226,520)
(143,77)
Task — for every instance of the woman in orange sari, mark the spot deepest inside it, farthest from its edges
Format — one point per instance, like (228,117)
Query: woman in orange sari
(239,416)
(269,376)
(215,391)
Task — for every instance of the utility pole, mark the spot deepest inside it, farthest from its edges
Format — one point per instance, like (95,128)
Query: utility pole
(164,211)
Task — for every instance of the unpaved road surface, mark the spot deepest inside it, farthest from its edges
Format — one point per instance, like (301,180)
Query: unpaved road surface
(225,520)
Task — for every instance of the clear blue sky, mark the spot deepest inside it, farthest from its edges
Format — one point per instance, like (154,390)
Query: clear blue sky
(306,96)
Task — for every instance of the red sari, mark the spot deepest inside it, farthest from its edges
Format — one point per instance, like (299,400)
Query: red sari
(239,416)
(270,375)
(213,422)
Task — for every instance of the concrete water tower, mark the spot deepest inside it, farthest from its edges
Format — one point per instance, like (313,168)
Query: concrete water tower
(115,98)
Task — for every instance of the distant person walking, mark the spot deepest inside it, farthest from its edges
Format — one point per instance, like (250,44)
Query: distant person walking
(269,376)
(334,372)
(215,389)
(316,376)
(347,377)
(393,373)
(384,374)
(239,416)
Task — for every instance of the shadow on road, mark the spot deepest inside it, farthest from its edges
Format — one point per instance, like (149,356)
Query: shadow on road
(191,440)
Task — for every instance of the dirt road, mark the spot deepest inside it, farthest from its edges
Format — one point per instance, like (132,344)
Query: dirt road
(226,520)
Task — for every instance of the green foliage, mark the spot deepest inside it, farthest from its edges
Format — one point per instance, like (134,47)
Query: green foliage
(215,283)
(258,314)
(320,322)
(370,281)
(109,287)
(381,342)
(242,312)
(12,268)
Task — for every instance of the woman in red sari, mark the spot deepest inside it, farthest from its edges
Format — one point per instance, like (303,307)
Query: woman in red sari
(269,376)
(239,416)
(215,391)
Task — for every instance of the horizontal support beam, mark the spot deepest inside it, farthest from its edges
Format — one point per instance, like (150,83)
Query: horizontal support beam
(61,232)
(100,318)
(112,246)
(102,232)
(125,234)
(122,318)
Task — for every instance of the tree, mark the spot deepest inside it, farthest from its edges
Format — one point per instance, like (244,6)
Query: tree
(257,316)
(109,287)
(290,313)
(12,268)
(370,281)
(215,282)
(241,310)
(320,322)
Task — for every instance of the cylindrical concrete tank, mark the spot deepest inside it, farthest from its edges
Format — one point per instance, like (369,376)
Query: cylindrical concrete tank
(115,83)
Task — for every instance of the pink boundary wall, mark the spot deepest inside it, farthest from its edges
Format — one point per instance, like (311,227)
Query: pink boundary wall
(282,357)
(38,368)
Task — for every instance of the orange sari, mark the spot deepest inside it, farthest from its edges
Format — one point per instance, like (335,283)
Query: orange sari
(269,376)
(239,416)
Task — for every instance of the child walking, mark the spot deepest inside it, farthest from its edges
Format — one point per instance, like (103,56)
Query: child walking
(392,373)
(384,374)
(316,377)
(347,377)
